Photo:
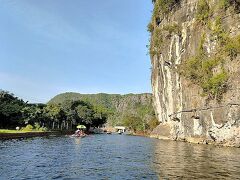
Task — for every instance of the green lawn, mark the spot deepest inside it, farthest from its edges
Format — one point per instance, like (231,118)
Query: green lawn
(15,131)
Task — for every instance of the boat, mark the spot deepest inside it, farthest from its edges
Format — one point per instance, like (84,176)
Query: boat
(80,132)
(78,136)
(120,132)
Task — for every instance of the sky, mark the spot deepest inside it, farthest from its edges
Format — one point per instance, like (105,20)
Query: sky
(49,47)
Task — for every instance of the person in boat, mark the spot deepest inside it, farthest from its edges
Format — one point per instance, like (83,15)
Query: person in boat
(77,132)
(82,133)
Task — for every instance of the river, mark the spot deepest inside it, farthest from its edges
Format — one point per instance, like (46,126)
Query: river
(115,157)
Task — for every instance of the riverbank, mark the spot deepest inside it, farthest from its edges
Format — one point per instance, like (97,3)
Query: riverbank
(20,135)
(142,134)
(164,132)
(194,140)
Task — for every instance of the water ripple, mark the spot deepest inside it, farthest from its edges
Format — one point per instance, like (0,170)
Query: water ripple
(115,157)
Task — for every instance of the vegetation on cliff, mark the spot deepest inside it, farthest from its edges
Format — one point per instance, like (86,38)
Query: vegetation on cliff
(203,11)
(204,69)
(199,68)
(161,9)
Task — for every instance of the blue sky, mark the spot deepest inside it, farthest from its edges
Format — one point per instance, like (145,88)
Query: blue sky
(87,46)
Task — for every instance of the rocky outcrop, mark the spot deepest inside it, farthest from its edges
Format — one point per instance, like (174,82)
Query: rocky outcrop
(195,76)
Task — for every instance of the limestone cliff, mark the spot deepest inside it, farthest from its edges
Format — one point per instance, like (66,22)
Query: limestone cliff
(195,54)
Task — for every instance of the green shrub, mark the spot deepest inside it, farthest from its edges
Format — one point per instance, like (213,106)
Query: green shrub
(199,70)
(152,124)
(193,67)
(162,7)
(44,129)
(216,85)
(190,69)
(232,47)
(224,4)
(156,11)
(29,127)
(172,29)
(37,126)
(166,5)
(218,32)
(134,123)
(203,11)
(150,27)
(156,42)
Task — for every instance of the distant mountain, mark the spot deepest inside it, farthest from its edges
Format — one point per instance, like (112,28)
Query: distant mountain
(119,105)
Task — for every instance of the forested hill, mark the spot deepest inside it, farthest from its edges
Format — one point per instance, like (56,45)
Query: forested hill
(106,100)
(119,106)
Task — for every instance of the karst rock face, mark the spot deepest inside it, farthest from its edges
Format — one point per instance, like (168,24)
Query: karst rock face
(195,55)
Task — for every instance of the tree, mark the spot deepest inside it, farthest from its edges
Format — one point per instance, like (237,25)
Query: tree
(56,115)
(10,110)
(85,114)
(153,123)
(35,113)
(15,112)
(134,123)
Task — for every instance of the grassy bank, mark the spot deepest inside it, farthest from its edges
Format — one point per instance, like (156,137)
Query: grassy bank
(6,134)
(19,131)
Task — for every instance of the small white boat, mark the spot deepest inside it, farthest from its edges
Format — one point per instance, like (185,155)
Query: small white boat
(78,136)
(120,132)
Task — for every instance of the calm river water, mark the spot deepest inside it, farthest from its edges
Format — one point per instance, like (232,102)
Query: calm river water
(115,157)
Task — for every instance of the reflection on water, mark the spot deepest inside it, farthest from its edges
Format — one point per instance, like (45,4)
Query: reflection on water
(183,160)
(77,140)
(115,157)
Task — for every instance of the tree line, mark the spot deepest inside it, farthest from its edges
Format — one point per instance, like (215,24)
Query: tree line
(63,116)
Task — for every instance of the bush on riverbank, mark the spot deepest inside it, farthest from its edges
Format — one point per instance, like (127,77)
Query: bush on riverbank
(35,128)
(139,125)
